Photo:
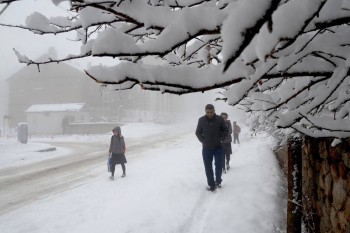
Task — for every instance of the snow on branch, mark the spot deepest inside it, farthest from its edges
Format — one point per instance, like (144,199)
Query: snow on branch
(8,1)
(237,36)
(181,77)
(4,8)
(286,62)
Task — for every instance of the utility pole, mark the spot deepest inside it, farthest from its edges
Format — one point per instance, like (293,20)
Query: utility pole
(6,117)
(3,127)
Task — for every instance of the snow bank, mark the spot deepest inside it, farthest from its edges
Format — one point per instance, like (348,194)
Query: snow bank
(14,153)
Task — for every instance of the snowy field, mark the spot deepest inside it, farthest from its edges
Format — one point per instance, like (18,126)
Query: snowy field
(164,191)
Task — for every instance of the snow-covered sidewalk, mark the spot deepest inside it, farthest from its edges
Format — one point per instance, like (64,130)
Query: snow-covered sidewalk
(164,191)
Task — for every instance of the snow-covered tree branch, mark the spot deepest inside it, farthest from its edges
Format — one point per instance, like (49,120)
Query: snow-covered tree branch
(287,61)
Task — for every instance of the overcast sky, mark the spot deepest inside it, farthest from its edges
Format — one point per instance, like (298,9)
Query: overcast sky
(30,44)
(26,42)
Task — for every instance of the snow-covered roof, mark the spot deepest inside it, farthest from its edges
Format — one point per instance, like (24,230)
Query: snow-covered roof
(68,107)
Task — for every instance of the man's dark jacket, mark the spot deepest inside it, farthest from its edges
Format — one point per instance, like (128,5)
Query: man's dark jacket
(211,132)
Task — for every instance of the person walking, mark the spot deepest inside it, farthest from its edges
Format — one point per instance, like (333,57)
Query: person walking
(211,132)
(226,144)
(236,131)
(117,151)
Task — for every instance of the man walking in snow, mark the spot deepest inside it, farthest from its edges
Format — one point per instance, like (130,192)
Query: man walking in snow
(236,131)
(211,132)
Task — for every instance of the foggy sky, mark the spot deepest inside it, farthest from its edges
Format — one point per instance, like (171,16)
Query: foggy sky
(25,41)
(28,43)
(34,46)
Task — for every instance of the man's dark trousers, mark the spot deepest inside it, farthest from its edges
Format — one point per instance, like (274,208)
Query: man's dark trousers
(208,154)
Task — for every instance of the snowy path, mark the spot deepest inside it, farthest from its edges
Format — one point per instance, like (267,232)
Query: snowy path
(164,191)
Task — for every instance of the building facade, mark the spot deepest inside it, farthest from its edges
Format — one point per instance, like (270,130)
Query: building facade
(63,83)
(54,118)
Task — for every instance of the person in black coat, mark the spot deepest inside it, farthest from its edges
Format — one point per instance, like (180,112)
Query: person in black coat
(211,132)
(226,144)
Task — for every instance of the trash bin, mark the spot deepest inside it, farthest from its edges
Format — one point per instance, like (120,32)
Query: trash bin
(22,132)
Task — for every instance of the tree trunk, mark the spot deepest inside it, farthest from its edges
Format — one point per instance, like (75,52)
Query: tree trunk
(294,209)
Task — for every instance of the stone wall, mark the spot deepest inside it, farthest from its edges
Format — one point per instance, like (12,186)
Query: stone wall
(326,185)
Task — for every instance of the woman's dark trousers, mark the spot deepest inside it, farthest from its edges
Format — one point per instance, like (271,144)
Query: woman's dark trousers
(113,168)
(227,154)
(114,159)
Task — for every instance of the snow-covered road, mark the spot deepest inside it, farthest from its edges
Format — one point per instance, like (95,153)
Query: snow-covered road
(164,191)
(28,183)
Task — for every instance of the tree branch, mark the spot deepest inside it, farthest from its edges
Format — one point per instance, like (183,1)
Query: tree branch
(249,33)
(187,89)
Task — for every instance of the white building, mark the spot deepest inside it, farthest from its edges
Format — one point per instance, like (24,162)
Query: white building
(54,118)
